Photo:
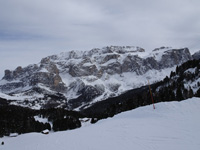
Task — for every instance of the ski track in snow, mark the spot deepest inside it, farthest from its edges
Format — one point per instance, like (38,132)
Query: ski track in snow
(171,126)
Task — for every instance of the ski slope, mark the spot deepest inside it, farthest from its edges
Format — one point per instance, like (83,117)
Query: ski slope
(171,126)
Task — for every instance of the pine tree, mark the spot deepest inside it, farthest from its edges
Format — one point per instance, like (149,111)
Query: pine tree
(179,95)
(172,74)
(190,93)
(198,93)
(171,95)
(185,93)
(177,69)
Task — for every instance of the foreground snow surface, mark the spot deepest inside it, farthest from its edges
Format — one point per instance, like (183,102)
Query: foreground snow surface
(171,126)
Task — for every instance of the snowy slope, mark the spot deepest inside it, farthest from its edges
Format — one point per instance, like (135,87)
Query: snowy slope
(171,126)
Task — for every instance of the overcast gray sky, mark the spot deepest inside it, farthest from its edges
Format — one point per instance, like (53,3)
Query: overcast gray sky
(32,29)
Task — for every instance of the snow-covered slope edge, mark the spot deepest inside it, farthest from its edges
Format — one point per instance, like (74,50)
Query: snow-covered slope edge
(172,125)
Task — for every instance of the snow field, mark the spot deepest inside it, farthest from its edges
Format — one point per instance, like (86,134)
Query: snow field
(171,126)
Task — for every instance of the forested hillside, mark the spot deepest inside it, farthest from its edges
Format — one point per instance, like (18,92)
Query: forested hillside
(182,84)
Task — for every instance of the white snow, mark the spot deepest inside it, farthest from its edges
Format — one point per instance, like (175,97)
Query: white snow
(27,87)
(42,86)
(128,81)
(190,70)
(194,85)
(17,96)
(43,120)
(5,96)
(3,81)
(171,126)
(46,131)
(13,134)
(87,64)
(40,119)
(109,62)
(85,122)
(44,70)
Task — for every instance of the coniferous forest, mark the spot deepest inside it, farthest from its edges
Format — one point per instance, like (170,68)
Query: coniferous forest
(16,119)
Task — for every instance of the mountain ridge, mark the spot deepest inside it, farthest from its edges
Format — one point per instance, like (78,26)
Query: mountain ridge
(85,77)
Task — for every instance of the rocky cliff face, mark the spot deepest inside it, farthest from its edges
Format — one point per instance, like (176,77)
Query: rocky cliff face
(84,77)
(196,55)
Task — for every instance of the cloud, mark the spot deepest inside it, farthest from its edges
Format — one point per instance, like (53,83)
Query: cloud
(30,30)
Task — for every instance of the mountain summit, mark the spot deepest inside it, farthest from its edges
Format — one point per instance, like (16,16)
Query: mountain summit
(78,79)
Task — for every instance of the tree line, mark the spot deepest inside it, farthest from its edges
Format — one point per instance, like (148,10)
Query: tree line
(16,119)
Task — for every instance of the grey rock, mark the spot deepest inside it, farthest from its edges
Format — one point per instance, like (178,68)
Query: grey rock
(132,64)
(196,55)
(175,57)
(8,75)
(80,77)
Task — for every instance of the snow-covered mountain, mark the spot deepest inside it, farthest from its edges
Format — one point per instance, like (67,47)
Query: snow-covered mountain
(196,55)
(172,125)
(79,78)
